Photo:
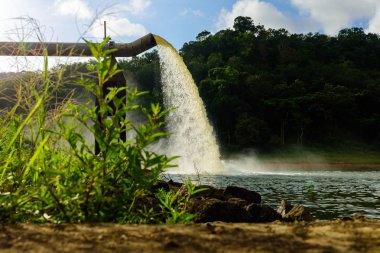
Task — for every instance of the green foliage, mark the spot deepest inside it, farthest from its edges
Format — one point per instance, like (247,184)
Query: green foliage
(268,89)
(49,171)
(175,206)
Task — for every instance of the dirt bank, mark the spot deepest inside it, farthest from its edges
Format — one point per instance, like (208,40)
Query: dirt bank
(321,236)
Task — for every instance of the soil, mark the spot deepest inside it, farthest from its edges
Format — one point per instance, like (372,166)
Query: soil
(319,236)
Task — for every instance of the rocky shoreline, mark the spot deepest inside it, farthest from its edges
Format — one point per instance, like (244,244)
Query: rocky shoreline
(235,204)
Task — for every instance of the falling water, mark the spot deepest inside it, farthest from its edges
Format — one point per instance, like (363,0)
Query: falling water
(192,135)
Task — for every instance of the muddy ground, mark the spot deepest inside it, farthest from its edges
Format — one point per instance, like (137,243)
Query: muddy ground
(319,236)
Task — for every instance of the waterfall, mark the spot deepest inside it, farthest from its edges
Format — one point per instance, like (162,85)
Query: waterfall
(192,136)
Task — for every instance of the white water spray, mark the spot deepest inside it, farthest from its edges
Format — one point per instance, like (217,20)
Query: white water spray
(192,136)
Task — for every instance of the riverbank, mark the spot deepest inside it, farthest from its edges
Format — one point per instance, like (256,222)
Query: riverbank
(288,165)
(317,158)
(357,235)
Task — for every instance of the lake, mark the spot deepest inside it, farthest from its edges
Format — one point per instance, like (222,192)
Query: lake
(327,194)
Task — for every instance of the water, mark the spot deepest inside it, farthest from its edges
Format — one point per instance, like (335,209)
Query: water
(328,194)
(192,136)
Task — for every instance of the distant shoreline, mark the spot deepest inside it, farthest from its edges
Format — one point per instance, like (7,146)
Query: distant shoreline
(320,165)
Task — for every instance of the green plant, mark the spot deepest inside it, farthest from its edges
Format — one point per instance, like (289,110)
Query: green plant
(170,204)
(49,171)
(175,206)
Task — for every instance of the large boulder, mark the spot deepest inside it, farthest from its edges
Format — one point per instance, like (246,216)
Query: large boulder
(238,202)
(241,193)
(262,213)
(208,210)
(210,192)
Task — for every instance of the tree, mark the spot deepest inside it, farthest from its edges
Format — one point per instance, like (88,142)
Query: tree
(203,35)
(243,24)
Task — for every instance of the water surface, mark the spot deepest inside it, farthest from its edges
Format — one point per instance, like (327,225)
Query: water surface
(326,193)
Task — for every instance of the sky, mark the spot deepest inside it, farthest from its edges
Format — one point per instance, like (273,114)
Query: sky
(178,21)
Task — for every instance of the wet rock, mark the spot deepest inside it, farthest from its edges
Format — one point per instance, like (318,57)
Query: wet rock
(297,213)
(207,192)
(354,217)
(174,186)
(284,207)
(161,185)
(210,192)
(208,210)
(262,213)
(241,193)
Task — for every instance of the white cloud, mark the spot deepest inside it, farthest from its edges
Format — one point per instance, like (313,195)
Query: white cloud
(333,15)
(77,8)
(137,7)
(117,26)
(261,13)
(374,23)
(328,16)
(197,13)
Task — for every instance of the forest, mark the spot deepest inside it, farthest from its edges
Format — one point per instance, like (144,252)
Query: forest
(268,89)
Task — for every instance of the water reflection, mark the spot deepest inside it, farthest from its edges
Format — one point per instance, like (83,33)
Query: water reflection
(327,194)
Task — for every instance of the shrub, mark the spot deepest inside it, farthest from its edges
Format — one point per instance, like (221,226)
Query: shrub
(50,173)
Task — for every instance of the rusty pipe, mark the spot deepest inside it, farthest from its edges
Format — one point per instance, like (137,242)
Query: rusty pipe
(75,49)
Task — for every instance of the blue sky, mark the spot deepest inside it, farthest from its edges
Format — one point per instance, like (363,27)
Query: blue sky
(178,21)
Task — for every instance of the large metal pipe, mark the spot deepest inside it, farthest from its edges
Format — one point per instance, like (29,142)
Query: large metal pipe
(74,49)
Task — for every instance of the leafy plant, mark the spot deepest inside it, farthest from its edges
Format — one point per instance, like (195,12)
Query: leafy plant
(175,206)
(49,171)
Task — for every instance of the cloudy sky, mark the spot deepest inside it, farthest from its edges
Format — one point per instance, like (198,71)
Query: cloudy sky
(178,21)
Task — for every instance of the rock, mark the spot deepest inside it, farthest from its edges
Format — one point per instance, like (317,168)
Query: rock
(208,210)
(284,207)
(354,217)
(161,185)
(293,213)
(241,193)
(262,213)
(211,192)
(238,202)
(174,186)
(297,213)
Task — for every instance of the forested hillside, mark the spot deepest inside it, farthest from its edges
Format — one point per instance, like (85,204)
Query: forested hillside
(266,88)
